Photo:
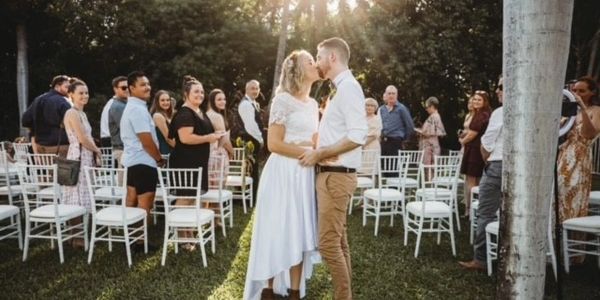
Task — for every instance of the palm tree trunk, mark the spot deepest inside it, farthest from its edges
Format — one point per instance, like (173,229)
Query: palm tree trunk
(281,46)
(22,73)
(536,48)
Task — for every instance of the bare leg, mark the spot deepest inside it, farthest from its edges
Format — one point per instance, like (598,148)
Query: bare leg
(296,276)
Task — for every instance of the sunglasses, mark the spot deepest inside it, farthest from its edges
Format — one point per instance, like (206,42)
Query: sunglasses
(123,88)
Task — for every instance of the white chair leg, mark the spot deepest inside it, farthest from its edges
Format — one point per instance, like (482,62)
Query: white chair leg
(419,232)
(377,212)
(456,212)
(93,241)
(201,237)
(110,238)
(212,236)
(145,235)
(406,228)
(176,240)
(51,236)
(86,244)
(565,238)
(27,234)
(230,205)
(251,196)
(243,188)
(552,252)
(488,250)
(165,244)
(19,233)
(451,230)
(364,211)
(127,244)
(59,241)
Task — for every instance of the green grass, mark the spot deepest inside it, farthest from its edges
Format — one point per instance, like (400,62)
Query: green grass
(382,269)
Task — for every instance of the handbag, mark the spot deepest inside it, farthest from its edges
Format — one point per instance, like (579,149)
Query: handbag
(67,169)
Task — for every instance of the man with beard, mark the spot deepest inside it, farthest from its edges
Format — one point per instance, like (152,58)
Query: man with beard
(342,131)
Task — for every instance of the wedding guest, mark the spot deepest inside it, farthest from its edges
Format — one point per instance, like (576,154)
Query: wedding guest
(284,238)
(432,130)
(468,117)
(81,147)
(472,162)
(44,119)
(141,156)
(119,85)
(397,123)
(162,110)
(193,133)
(575,156)
(115,113)
(375,125)
(216,111)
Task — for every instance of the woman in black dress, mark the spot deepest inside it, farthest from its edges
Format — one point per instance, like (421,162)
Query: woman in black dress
(193,134)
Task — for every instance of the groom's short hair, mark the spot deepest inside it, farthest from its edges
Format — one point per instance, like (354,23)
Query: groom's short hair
(339,46)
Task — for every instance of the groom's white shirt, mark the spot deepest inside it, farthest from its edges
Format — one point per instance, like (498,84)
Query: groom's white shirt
(345,117)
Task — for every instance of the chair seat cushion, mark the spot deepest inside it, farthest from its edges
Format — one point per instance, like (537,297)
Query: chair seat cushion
(47,193)
(432,208)
(65,211)
(407,182)
(493,227)
(213,195)
(433,192)
(586,224)
(595,197)
(386,194)
(8,211)
(364,182)
(113,215)
(237,180)
(445,180)
(15,190)
(188,217)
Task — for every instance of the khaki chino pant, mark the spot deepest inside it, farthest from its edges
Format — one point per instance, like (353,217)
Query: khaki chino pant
(334,190)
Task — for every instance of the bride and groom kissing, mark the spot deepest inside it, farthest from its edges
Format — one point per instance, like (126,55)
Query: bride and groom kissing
(294,228)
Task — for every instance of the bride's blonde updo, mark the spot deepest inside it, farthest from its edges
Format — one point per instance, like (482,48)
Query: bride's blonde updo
(292,73)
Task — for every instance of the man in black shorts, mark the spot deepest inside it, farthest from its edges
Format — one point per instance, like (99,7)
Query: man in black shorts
(141,156)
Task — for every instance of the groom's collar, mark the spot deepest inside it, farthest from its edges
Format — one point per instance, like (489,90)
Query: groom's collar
(340,77)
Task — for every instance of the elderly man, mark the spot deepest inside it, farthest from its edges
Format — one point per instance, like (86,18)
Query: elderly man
(397,122)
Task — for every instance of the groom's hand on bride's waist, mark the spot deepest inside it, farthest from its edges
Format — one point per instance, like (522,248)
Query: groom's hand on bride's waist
(310,158)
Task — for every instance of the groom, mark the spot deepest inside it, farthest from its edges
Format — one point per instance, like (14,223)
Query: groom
(342,131)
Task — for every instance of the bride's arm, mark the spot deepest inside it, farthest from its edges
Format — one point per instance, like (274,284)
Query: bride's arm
(277,145)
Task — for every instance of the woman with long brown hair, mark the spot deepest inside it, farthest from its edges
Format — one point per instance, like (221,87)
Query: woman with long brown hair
(472,162)
(162,111)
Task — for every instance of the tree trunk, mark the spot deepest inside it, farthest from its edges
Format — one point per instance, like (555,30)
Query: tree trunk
(535,52)
(22,73)
(281,47)
(593,53)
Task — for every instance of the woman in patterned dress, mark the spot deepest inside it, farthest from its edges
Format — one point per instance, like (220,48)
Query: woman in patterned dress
(81,147)
(432,129)
(574,156)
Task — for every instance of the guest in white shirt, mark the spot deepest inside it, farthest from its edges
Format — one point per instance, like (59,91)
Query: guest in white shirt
(490,185)
(119,85)
(342,131)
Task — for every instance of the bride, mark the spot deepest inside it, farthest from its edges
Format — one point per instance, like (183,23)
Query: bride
(284,239)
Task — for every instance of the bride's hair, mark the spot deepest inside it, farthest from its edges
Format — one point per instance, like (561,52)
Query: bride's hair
(292,74)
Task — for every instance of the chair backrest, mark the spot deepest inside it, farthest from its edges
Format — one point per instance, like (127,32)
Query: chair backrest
(448,166)
(35,178)
(368,167)
(237,165)
(106,157)
(104,188)
(392,167)
(173,181)
(21,151)
(166,158)
(454,153)
(415,159)
(216,175)
(445,167)
(5,175)
(41,159)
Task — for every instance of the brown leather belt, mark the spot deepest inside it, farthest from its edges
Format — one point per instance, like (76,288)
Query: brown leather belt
(335,169)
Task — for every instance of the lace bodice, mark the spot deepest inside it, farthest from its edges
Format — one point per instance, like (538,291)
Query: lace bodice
(300,119)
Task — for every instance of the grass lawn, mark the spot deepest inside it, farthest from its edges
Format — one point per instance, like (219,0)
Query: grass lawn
(382,269)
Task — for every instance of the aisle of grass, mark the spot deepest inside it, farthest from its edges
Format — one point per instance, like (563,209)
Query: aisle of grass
(382,269)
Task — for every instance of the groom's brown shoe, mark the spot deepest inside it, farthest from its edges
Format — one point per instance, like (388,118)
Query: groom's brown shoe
(294,294)
(267,294)
(473,265)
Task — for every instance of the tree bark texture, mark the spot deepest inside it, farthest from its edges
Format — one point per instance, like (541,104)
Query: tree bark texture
(283,34)
(535,52)
(22,73)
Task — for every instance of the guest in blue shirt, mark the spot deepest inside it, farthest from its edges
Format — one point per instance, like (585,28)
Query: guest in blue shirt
(397,123)
(140,145)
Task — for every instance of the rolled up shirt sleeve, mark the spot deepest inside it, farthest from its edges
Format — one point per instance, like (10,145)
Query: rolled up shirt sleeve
(354,115)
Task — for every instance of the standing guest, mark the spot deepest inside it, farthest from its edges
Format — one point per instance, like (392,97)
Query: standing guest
(249,124)
(462,132)
(115,113)
(375,125)
(81,147)
(141,156)
(472,162)
(193,133)
(215,109)
(45,116)
(432,130)
(490,187)
(162,112)
(397,123)
(342,131)
(119,85)
(575,157)
(286,190)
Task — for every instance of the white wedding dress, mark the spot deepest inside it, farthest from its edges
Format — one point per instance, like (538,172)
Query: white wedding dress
(285,225)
